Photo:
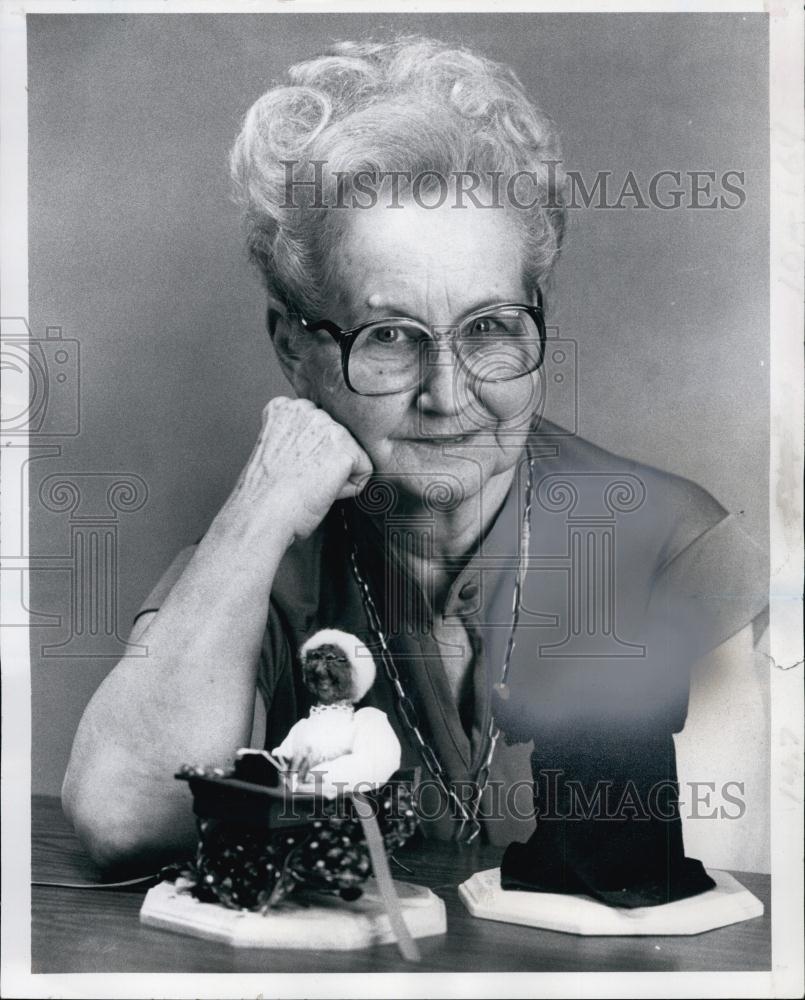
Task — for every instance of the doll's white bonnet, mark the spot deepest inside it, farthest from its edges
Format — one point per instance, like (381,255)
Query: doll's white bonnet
(360,659)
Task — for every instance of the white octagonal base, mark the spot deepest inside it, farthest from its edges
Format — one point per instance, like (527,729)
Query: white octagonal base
(317,923)
(727,903)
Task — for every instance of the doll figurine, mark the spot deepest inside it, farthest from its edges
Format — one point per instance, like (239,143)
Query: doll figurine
(337,747)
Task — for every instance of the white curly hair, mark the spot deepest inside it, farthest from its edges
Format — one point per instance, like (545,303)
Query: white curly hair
(413,104)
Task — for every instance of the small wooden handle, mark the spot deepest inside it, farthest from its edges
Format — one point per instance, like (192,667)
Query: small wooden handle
(385,883)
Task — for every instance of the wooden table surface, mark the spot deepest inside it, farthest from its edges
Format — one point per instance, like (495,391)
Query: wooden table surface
(83,930)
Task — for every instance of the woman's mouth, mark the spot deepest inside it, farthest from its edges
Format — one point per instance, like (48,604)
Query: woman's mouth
(442,439)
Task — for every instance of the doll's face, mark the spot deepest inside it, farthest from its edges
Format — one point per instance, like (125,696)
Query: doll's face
(327,674)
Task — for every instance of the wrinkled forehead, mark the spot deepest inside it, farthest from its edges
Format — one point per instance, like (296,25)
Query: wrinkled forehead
(432,264)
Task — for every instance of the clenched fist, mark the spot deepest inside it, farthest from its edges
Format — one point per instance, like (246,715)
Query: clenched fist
(302,463)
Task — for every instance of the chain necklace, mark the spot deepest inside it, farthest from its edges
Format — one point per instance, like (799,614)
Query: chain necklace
(467,811)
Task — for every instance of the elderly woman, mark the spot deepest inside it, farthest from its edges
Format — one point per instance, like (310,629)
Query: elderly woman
(405,207)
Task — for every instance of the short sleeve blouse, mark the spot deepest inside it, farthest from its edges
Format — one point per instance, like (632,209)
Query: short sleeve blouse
(632,574)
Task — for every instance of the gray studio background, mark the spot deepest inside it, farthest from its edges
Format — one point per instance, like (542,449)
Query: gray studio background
(135,253)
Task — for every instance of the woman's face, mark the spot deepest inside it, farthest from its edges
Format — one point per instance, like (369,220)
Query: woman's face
(436,266)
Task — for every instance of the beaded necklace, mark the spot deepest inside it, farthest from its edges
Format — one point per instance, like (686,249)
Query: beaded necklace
(468,811)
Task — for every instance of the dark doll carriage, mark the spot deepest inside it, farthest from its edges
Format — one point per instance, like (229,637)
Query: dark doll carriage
(275,869)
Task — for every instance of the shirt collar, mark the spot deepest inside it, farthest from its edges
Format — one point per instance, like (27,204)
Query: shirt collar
(493,561)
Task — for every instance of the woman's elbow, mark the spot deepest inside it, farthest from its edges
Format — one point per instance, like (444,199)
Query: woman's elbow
(109,840)
(116,837)
(109,846)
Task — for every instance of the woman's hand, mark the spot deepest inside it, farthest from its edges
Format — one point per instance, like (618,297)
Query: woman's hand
(302,463)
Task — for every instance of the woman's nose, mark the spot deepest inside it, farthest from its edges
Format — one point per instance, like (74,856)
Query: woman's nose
(443,379)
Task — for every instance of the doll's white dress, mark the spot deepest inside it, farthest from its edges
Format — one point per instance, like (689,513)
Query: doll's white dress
(344,748)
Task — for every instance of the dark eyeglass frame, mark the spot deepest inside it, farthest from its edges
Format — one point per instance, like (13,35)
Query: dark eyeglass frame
(346,338)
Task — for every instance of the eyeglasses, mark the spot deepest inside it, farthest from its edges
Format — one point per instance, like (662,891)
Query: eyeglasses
(386,356)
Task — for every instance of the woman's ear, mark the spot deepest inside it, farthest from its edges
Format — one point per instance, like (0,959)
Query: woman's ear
(291,346)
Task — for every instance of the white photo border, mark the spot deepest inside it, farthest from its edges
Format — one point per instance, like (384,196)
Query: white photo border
(787,239)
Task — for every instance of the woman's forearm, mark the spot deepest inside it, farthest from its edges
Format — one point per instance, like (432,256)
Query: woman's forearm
(189,699)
